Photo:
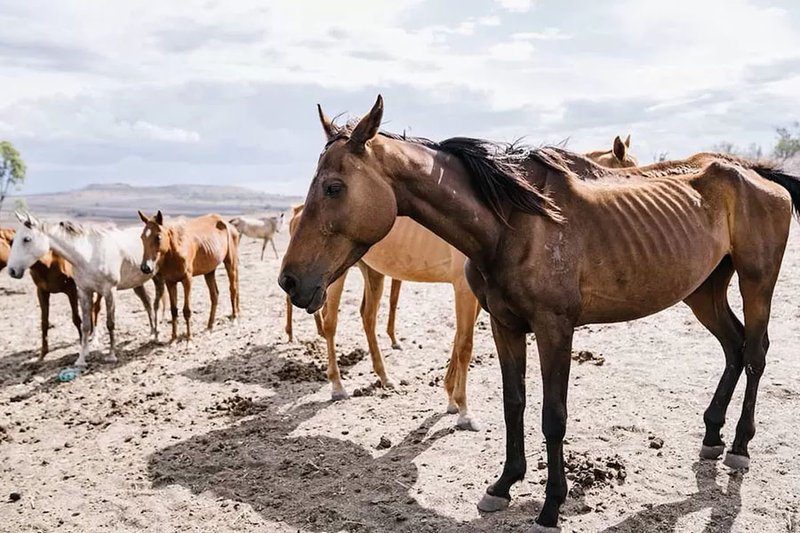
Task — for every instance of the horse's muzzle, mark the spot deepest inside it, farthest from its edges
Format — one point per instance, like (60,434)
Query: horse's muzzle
(308,298)
(16,273)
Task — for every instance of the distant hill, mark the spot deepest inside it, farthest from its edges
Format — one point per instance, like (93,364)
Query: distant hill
(119,201)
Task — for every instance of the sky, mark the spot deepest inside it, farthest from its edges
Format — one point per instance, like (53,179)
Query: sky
(225,92)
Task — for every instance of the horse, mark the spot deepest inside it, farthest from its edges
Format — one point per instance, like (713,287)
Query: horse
(432,260)
(51,275)
(103,261)
(549,251)
(175,253)
(409,253)
(259,228)
(618,157)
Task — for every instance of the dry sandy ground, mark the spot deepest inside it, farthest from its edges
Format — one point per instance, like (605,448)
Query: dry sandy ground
(236,432)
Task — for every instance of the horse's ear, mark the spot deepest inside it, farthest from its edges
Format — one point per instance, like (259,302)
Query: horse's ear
(628,141)
(368,126)
(22,218)
(159,218)
(143,217)
(619,148)
(327,123)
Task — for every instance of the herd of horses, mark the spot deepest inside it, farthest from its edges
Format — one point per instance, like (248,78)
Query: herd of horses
(543,239)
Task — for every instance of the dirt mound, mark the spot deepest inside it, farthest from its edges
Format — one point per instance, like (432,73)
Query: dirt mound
(295,372)
(585,356)
(237,406)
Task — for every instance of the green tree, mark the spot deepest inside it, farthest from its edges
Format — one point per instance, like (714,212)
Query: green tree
(12,169)
(788,144)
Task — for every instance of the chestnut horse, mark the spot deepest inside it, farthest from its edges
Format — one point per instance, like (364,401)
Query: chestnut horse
(178,252)
(51,274)
(549,251)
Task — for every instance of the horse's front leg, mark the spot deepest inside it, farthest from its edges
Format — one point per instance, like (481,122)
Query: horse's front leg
(511,352)
(554,340)
(85,301)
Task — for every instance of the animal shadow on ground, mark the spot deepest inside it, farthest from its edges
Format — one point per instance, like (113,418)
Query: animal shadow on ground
(316,483)
(21,367)
(724,504)
(320,483)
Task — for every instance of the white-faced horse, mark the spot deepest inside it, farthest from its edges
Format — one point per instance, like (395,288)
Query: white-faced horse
(104,259)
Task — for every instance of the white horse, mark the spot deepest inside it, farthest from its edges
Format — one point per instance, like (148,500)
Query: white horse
(259,228)
(104,259)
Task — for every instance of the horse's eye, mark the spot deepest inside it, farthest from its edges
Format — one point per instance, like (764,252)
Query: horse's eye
(158,238)
(334,189)
(26,240)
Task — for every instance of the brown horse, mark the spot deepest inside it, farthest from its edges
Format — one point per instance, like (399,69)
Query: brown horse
(549,251)
(178,252)
(51,274)
(618,157)
(412,253)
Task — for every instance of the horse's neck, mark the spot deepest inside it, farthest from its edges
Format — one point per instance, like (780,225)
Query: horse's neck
(434,189)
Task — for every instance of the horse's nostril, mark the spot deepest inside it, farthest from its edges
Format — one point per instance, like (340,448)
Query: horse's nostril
(288,283)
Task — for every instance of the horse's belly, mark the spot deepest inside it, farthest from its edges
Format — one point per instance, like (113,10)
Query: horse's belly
(643,291)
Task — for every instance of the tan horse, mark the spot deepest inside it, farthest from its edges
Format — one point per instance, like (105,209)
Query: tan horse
(618,157)
(51,274)
(549,251)
(409,253)
(178,252)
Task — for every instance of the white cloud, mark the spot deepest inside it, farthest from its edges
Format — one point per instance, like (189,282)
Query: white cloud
(516,6)
(88,72)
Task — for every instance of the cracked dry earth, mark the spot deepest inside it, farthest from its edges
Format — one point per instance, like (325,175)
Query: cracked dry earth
(236,431)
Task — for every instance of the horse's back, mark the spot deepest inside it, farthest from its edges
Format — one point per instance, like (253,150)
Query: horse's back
(211,239)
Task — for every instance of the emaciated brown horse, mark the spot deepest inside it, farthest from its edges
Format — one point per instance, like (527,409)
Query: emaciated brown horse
(178,252)
(549,251)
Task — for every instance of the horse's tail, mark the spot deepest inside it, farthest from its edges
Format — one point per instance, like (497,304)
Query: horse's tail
(787,181)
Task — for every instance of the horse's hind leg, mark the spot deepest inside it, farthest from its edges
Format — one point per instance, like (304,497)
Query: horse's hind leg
(272,242)
(756,299)
(757,259)
(232,268)
(44,306)
(141,292)
(710,305)
(85,300)
(213,293)
(110,309)
(394,296)
(462,351)
(263,247)
(72,296)
(330,318)
(373,289)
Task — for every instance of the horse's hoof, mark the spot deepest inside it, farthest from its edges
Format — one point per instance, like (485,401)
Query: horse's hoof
(491,504)
(339,395)
(397,346)
(389,384)
(110,358)
(711,452)
(467,423)
(538,528)
(80,364)
(736,462)
(452,409)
